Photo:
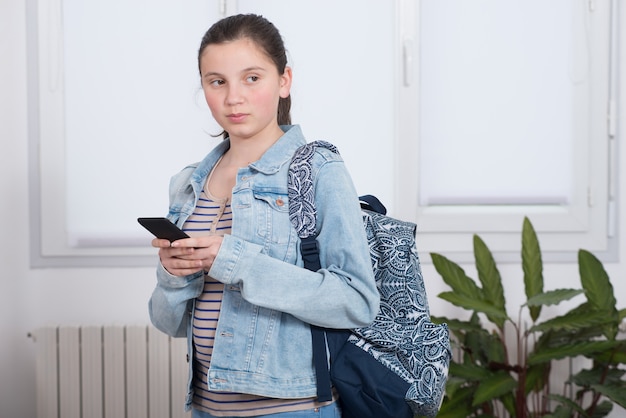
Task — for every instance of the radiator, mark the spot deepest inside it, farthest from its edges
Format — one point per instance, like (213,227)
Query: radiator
(109,372)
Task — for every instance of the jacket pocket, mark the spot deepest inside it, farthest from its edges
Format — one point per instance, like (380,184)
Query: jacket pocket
(273,226)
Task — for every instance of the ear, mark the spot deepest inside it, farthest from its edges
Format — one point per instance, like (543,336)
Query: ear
(285,82)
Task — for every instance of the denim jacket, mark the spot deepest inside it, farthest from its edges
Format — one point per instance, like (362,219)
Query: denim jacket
(263,340)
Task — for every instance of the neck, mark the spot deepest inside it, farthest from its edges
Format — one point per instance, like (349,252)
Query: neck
(245,151)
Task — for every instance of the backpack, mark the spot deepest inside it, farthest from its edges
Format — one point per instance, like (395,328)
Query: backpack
(396,367)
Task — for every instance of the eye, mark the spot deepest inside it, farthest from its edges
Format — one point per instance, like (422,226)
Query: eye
(252,78)
(216,82)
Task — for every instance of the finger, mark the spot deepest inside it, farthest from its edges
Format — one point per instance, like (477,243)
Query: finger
(181,267)
(180,253)
(197,242)
(186,272)
(185,243)
(160,243)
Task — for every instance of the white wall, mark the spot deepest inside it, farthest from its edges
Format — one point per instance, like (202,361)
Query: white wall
(30,298)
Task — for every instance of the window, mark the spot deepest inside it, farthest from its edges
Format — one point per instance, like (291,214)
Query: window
(115,108)
(499,111)
(91,165)
(502,113)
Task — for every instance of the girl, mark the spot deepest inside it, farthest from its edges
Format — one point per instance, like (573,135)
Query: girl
(236,288)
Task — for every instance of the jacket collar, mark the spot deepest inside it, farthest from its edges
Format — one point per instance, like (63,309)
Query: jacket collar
(273,159)
(281,152)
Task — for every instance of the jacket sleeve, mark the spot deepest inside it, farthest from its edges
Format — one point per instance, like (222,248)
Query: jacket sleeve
(171,302)
(343,293)
(170,305)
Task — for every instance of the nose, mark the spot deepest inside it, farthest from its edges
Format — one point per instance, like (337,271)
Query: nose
(234,95)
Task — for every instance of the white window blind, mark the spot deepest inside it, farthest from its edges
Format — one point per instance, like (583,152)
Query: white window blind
(504,115)
(115,109)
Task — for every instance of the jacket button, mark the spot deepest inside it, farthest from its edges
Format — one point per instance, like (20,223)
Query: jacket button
(280,202)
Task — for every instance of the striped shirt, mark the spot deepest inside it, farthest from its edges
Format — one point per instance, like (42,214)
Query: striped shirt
(213,216)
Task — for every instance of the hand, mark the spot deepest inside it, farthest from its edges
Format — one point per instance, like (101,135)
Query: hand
(190,255)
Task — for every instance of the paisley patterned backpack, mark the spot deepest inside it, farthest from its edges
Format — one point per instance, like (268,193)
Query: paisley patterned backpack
(396,367)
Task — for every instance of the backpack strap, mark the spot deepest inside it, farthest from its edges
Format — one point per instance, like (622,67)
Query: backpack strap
(371,203)
(301,188)
(303,216)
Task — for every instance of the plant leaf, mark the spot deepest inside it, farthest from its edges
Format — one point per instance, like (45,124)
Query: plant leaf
(560,338)
(577,349)
(473,343)
(454,276)
(490,279)
(449,410)
(458,405)
(453,384)
(599,290)
(456,324)
(493,387)
(537,377)
(572,321)
(560,412)
(602,409)
(567,403)
(589,377)
(508,400)
(617,356)
(553,297)
(468,371)
(493,349)
(472,304)
(614,392)
(532,265)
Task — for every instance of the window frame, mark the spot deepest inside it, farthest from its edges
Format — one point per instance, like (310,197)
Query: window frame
(58,242)
(446,229)
(48,191)
(589,221)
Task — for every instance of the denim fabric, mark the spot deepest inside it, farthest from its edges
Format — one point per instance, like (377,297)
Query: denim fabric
(328,411)
(263,343)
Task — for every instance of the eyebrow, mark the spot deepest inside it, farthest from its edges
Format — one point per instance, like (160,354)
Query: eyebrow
(245,70)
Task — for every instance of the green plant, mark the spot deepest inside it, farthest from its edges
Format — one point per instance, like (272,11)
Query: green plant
(494,374)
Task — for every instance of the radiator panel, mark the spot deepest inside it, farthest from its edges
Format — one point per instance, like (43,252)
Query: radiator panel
(69,372)
(137,371)
(110,372)
(92,374)
(160,385)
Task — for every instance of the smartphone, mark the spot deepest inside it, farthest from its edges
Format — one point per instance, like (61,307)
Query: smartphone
(162,228)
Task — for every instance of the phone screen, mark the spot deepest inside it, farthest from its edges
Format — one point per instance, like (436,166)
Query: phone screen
(162,228)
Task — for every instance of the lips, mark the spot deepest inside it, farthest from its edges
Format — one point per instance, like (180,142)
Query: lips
(237,117)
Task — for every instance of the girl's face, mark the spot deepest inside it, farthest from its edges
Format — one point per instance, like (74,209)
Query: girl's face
(242,87)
